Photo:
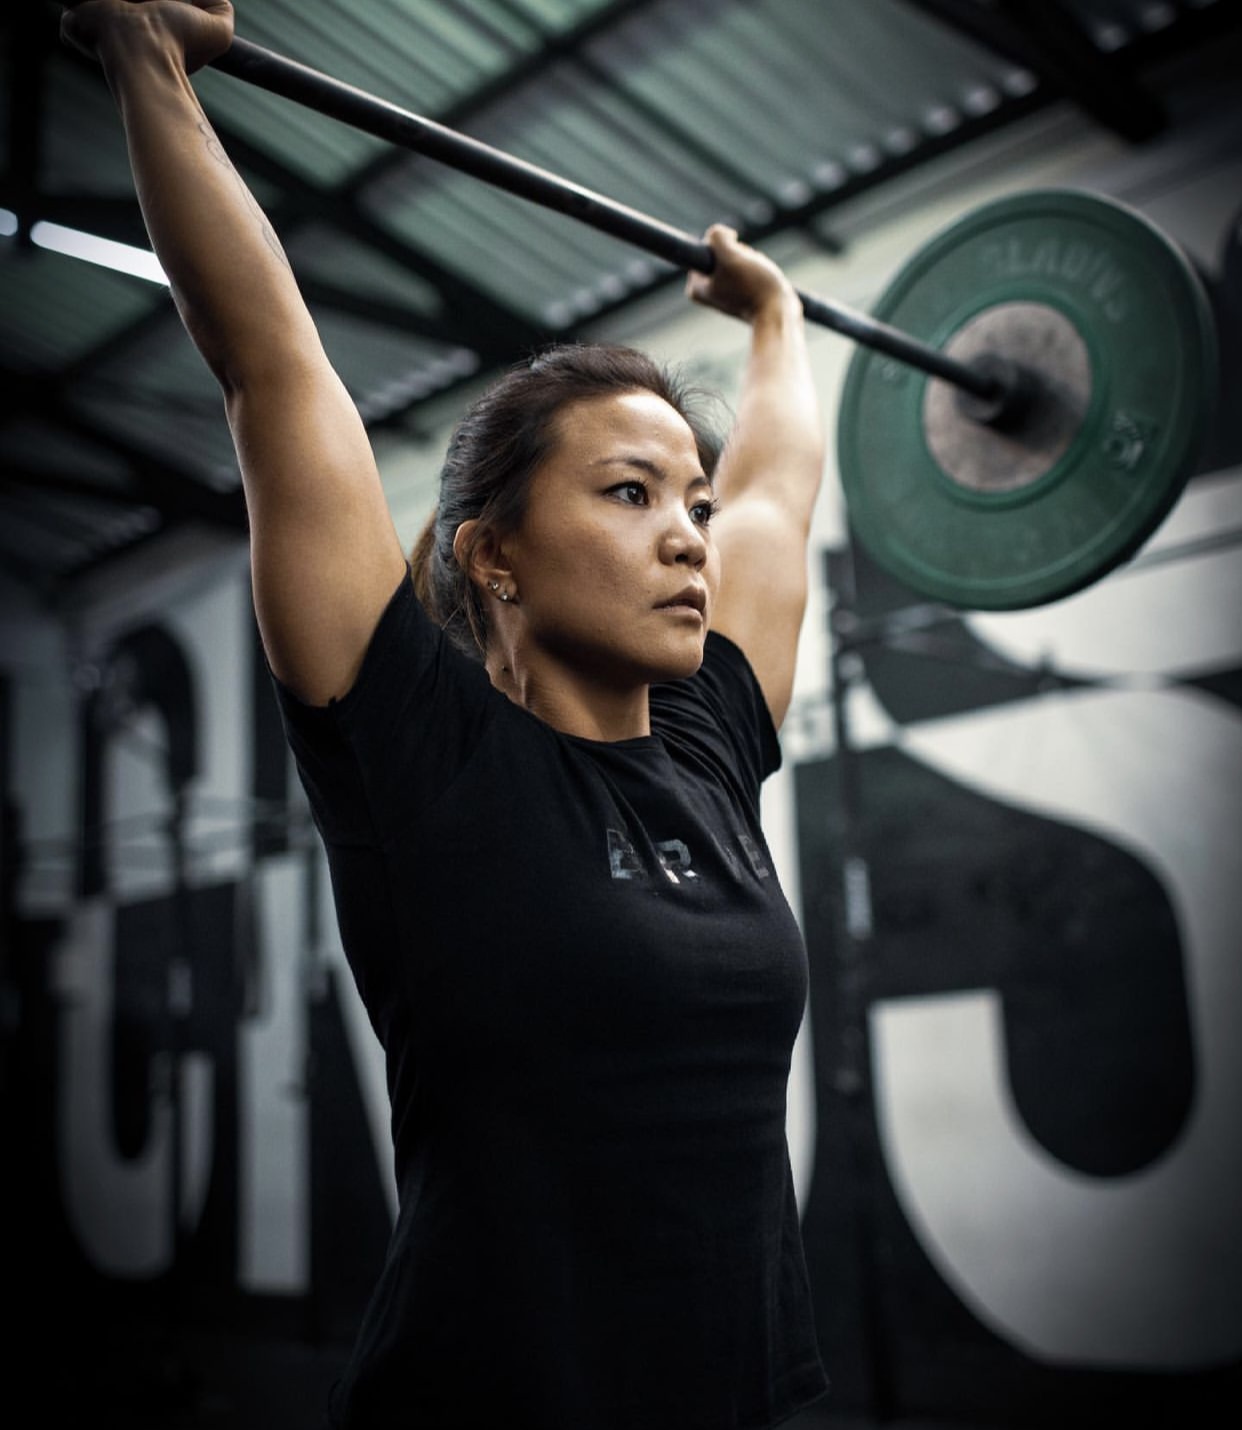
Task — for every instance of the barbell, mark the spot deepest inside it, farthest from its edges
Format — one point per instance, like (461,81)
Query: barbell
(1027,399)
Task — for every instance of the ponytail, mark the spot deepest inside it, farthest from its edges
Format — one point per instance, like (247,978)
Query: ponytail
(421,556)
(445,591)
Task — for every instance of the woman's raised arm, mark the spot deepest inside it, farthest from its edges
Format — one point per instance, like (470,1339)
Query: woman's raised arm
(770,471)
(324,553)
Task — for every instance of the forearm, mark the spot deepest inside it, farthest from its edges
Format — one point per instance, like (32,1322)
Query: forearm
(777,443)
(231,281)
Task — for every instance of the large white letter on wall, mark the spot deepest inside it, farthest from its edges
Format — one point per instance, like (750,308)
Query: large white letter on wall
(1137,1271)
(120,1208)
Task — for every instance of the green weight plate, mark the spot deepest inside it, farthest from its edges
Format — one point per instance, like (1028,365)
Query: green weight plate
(1114,326)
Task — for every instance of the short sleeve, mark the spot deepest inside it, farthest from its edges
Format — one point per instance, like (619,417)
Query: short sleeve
(372,759)
(720,713)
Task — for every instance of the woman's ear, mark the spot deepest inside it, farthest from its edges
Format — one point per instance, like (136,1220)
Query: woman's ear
(481,555)
(463,546)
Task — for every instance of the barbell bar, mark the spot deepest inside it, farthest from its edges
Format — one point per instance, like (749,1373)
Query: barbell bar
(995,387)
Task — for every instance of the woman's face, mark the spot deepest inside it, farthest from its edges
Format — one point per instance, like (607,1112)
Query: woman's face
(613,562)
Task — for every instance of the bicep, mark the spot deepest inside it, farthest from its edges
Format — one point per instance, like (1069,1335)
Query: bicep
(325,555)
(763,589)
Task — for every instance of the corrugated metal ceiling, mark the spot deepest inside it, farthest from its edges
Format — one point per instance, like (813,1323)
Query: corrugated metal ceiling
(761,112)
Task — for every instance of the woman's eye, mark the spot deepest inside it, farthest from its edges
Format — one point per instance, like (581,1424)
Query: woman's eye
(703,511)
(632,492)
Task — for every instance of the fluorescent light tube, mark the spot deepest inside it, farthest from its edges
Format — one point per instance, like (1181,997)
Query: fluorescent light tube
(122,257)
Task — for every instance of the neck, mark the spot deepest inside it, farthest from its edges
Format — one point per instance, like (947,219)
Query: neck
(571,701)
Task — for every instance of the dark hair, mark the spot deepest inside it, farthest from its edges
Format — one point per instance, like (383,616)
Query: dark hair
(496,449)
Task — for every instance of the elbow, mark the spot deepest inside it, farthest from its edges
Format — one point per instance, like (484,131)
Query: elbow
(227,358)
(203,334)
(260,371)
(244,353)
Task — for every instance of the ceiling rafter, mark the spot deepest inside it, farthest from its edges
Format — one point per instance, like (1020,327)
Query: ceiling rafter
(49,479)
(27,76)
(1047,39)
(383,312)
(116,218)
(175,490)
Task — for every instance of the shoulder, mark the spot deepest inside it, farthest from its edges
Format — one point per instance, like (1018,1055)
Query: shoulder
(399,735)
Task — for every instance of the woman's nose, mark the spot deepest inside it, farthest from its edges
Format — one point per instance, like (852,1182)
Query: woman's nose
(685,541)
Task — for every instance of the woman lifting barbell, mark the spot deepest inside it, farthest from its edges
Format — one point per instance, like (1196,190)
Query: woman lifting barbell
(536,769)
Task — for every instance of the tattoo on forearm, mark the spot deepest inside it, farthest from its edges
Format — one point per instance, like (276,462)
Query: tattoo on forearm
(216,150)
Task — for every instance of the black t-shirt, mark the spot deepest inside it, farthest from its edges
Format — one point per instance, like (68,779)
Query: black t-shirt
(587,983)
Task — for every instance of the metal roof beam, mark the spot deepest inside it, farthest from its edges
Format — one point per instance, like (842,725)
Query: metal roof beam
(380,311)
(51,520)
(174,491)
(117,219)
(40,479)
(1047,37)
(27,87)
